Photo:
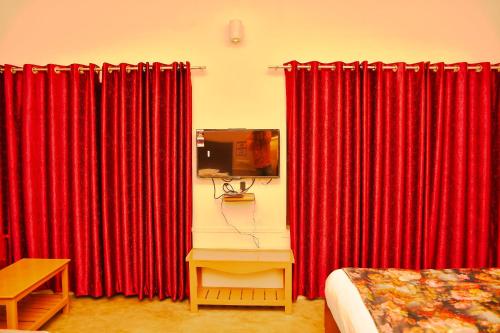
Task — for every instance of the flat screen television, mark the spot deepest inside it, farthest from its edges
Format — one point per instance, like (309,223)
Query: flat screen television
(238,153)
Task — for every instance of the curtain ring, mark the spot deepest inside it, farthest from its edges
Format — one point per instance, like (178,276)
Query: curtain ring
(34,70)
(479,68)
(57,70)
(395,68)
(289,68)
(80,70)
(417,69)
(110,70)
(456,69)
(333,67)
(13,70)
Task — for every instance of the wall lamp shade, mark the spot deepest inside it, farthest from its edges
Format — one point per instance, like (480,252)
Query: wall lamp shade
(235,31)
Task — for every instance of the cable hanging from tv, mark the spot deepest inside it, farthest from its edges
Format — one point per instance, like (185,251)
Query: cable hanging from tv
(229,190)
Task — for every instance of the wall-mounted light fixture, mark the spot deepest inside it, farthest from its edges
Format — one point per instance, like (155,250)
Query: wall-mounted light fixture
(235,31)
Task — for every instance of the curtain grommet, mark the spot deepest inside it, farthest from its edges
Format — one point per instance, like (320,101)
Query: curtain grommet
(479,68)
(80,70)
(34,70)
(417,69)
(57,70)
(395,68)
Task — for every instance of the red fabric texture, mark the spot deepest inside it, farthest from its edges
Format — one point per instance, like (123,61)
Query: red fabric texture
(3,179)
(391,169)
(80,185)
(146,180)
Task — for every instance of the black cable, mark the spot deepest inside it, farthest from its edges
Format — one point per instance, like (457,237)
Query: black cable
(228,188)
(215,191)
(246,190)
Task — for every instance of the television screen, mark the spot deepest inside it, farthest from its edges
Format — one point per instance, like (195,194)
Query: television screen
(242,153)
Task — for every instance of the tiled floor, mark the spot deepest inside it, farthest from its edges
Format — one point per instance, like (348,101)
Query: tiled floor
(129,315)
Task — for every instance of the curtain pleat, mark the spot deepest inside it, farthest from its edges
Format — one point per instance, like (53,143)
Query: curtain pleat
(391,168)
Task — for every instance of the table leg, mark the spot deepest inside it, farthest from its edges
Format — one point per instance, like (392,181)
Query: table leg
(288,288)
(65,288)
(11,308)
(193,287)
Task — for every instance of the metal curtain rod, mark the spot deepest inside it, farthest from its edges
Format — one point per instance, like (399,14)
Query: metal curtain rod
(59,69)
(394,68)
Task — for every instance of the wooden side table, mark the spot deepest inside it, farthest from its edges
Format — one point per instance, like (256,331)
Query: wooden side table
(240,262)
(24,310)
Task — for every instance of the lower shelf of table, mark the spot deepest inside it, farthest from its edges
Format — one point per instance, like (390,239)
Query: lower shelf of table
(34,310)
(241,296)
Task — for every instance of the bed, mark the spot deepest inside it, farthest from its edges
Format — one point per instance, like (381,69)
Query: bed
(364,300)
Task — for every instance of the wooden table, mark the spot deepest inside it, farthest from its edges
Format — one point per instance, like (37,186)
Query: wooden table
(30,311)
(240,262)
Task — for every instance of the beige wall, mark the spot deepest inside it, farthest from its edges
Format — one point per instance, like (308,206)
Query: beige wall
(237,90)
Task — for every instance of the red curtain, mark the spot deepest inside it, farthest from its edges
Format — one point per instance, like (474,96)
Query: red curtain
(370,154)
(146,179)
(3,178)
(100,174)
(495,227)
(459,223)
(50,169)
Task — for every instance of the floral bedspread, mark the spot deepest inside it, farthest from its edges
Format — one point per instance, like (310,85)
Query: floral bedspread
(448,300)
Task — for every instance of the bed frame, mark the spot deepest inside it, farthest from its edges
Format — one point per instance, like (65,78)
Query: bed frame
(330,324)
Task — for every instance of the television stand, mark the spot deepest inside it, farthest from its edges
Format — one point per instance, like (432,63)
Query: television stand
(235,261)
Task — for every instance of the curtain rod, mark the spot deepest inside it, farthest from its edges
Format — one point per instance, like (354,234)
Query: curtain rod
(416,68)
(59,69)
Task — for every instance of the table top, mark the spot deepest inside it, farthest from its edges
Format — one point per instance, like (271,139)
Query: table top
(240,255)
(23,274)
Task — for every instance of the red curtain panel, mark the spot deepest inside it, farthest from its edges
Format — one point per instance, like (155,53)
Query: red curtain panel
(495,198)
(146,179)
(3,179)
(390,168)
(460,134)
(50,166)
(100,174)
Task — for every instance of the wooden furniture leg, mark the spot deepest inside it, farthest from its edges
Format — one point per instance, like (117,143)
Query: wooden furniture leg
(65,288)
(11,308)
(288,288)
(193,287)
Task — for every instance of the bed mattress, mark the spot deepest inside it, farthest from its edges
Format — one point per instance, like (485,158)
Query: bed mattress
(346,305)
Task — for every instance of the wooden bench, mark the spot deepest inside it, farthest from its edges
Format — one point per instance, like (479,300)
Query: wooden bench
(24,310)
(240,262)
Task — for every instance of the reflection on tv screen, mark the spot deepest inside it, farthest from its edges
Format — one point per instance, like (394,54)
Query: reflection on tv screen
(238,153)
